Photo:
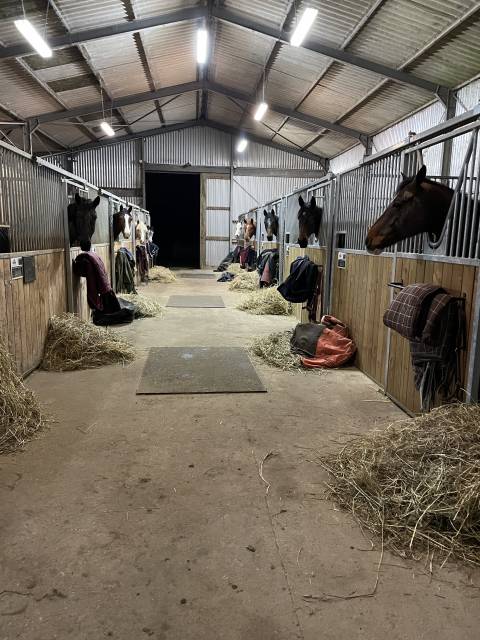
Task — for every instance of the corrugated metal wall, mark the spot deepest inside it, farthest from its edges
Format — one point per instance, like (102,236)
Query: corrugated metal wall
(32,201)
(199,146)
(117,165)
(252,191)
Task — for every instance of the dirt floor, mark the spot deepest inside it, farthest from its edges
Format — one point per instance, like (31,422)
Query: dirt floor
(145,517)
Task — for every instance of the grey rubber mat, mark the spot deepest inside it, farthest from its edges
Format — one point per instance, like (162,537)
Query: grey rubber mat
(193,302)
(175,370)
(206,276)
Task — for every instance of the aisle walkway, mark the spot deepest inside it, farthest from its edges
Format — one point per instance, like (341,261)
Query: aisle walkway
(145,517)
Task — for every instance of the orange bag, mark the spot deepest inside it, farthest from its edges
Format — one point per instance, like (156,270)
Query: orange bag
(334,346)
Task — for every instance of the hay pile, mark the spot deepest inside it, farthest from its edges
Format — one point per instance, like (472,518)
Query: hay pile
(161,274)
(245,281)
(416,484)
(20,415)
(274,349)
(235,268)
(265,302)
(145,307)
(73,344)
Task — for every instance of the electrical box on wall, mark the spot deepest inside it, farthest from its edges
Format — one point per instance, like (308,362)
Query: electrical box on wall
(342,260)
(29,270)
(16,268)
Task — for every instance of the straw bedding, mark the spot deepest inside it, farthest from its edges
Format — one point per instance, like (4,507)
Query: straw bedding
(20,414)
(274,349)
(73,344)
(161,274)
(416,484)
(245,281)
(235,268)
(145,307)
(265,302)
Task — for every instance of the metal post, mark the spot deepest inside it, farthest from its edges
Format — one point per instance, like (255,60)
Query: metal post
(27,137)
(447,145)
(473,368)
(142,167)
(111,210)
(67,256)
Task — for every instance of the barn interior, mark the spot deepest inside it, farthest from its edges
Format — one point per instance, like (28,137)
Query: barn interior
(212,427)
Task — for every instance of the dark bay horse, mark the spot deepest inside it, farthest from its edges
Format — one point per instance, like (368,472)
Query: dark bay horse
(120,222)
(82,219)
(309,221)
(271,224)
(420,206)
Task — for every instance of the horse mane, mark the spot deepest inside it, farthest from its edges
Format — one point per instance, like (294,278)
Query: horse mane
(406,181)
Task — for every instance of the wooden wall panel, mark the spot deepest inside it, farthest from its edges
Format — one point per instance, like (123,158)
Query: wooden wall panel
(457,279)
(359,298)
(316,255)
(26,308)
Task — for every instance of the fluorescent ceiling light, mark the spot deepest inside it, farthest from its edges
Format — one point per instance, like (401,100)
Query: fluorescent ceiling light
(107,129)
(242,145)
(303,26)
(32,36)
(202,41)
(261,111)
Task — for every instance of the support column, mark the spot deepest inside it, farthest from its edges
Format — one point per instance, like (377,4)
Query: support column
(447,145)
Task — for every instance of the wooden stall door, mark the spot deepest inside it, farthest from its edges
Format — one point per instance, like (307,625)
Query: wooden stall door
(26,308)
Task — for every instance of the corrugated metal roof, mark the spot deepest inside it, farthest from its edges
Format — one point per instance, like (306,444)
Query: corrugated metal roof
(171,53)
(339,89)
(117,61)
(270,13)
(240,57)
(392,32)
(402,27)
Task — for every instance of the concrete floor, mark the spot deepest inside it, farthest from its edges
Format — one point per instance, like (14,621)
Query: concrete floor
(145,517)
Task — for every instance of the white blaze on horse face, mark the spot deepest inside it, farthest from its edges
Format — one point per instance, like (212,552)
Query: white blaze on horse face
(126,231)
(238,230)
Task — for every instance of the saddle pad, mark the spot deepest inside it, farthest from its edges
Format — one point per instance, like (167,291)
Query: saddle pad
(194,302)
(175,370)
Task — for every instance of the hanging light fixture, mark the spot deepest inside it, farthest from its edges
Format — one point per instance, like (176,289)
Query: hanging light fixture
(202,45)
(33,38)
(107,129)
(261,111)
(242,145)
(104,125)
(303,26)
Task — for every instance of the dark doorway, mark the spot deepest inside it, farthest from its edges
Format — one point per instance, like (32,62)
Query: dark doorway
(173,200)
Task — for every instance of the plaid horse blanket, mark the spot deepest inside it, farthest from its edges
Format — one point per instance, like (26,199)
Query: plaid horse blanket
(434,322)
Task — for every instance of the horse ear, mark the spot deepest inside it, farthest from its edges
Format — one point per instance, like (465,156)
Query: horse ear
(130,209)
(78,199)
(404,175)
(301,201)
(96,202)
(265,212)
(313,202)
(421,175)
(121,208)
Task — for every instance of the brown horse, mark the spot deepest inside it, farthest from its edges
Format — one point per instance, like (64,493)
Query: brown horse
(309,221)
(420,206)
(249,229)
(119,223)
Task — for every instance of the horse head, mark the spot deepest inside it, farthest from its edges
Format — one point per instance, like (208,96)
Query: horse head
(249,229)
(121,223)
(271,224)
(82,219)
(309,221)
(419,206)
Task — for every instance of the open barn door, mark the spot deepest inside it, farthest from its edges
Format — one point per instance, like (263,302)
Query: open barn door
(217,223)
